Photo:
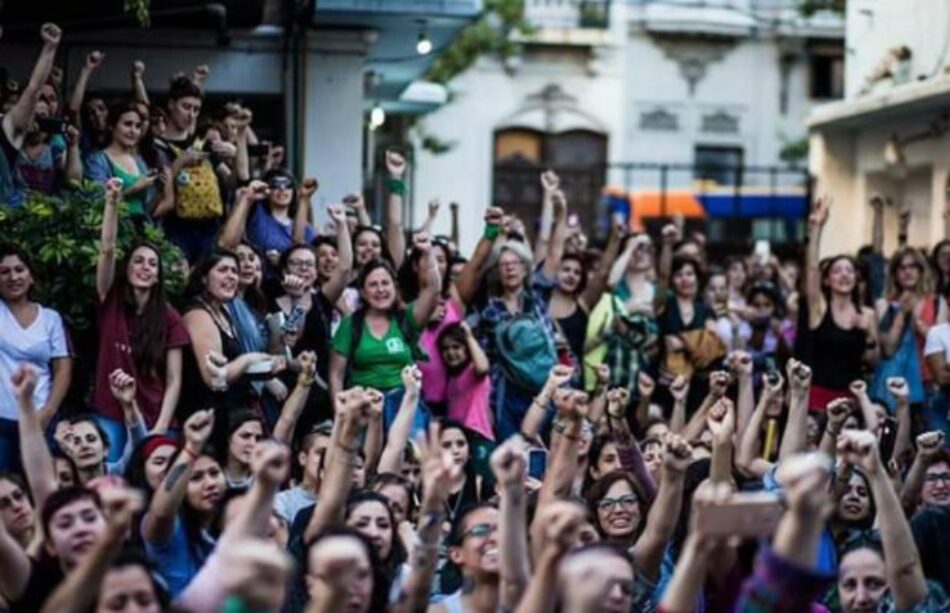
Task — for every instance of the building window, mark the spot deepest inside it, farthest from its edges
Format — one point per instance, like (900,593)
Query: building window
(521,154)
(826,67)
(718,164)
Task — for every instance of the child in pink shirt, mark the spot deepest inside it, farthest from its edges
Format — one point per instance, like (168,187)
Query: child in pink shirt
(468,389)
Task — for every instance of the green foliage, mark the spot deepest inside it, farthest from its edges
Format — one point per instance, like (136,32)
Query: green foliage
(795,151)
(61,235)
(139,10)
(488,34)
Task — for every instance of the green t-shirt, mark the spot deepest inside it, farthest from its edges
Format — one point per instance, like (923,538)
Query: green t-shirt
(377,362)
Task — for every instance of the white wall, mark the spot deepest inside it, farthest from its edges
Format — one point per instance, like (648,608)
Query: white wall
(483,97)
(874,26)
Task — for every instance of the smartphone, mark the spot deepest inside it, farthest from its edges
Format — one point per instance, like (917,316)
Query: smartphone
(52,126)
(888,437)
(257,150)
(747,514)
(763,251)
(292,322)
(537,463)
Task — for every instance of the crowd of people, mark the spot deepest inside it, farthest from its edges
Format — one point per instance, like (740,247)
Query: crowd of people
(358,417)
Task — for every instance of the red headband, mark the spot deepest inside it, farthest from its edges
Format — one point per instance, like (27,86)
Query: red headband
(154,443)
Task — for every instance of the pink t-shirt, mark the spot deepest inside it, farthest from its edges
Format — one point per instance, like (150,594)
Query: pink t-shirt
(434,377)
(469,398)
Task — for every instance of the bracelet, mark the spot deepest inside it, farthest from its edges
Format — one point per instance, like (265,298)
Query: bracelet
(491,232)
(396,186)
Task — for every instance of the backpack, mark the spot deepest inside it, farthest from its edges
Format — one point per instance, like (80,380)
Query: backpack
(196,190)
(525,348)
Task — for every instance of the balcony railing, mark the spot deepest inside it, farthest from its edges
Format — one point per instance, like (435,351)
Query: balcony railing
(568,13)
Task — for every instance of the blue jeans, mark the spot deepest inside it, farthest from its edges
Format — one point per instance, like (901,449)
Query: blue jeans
(118,436)
(511,405)
(9,446)
(392,399)
(195,237)
(936,411)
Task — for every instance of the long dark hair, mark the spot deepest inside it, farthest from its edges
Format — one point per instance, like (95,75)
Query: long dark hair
(148,335)
(825,267)
(408,277)
(599,490)
(196,280)
(116,111)
(942,280)
(397,552)
(381,582)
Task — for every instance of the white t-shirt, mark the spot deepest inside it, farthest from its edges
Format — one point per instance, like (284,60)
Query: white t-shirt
(36,345)
(938,340)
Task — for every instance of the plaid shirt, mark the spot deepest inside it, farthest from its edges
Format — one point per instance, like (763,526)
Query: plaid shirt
(494,312)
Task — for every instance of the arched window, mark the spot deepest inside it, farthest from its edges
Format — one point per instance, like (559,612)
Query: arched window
(521,154)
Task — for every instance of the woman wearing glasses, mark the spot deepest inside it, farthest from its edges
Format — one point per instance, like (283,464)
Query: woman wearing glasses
(269,211)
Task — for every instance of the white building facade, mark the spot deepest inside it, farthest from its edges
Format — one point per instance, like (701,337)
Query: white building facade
(889,136)
(602,90)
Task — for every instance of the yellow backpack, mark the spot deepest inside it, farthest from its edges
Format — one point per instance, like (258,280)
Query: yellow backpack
(196,190)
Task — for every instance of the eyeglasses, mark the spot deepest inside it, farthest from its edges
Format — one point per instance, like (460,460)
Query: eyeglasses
(626,502)
(301,264)
(480,531)
(935,477)
(281,183)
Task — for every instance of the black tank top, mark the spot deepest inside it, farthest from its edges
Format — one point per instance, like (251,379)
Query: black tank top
(837,354)
(196,395)
(574,328)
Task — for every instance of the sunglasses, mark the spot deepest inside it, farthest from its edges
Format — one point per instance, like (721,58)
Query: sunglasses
(480,531)
(281,183)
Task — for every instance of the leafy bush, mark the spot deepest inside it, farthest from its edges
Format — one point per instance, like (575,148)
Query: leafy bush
(61,235)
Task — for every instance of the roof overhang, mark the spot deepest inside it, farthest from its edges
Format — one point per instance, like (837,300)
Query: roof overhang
(910,100)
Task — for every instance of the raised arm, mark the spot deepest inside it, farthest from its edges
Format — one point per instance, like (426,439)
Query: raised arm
(391,459)
(93,61)
(470,277)
(159,521)
(105,263)
(670,235)
(795,437)
(335,285)
(34,452)
(172,390)
(679,390)
(721,422)
(352,415)
(837,412)
(78,592)
(138,82)
(718,386)
(306,190)
(236,222)
(898,388)
(550,183)
(396,167)
(748,460)
(816,223)
(903,224)
(555,247)
(438,471)
(901,559)
(877,225)
(373,438)
(17,121)
(631,457)
(431,286)
(537,412)
(745,402)
(597,280)
(929,447)
(665,510)
(562,465)
(508,465)
(553,533)
(297,400)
